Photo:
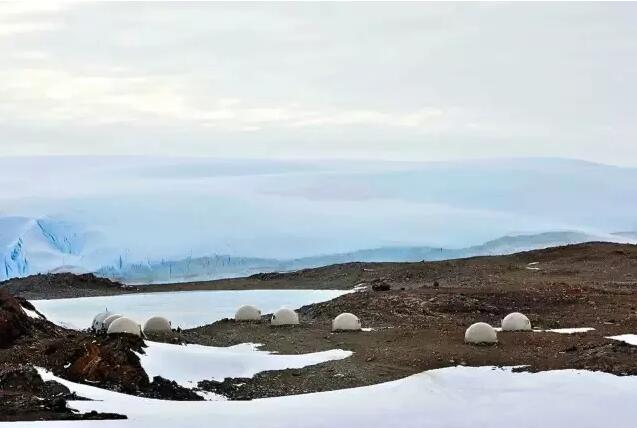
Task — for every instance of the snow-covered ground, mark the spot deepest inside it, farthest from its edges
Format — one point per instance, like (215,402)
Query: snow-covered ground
(184,309)
(188,364)
(631,339)
(456,397)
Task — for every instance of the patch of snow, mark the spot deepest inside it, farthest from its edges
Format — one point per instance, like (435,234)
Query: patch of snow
(498,398)
(631,339)
(188,364)
(30,313)
(210,396)
(185,309)
(69,325)
(572,330)
(533,266)
(569,330)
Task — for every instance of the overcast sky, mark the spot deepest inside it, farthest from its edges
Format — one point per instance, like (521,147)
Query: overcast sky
(415,81)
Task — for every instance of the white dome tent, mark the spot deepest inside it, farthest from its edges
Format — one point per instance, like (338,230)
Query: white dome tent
(247,313)
(98,321)
(285,316)
(157,325)
(109,320)
(480,333)
(346,322)
(125,325)
(516,321)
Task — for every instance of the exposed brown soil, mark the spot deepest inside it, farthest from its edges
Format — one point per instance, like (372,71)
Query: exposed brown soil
(63,285)
(419,326)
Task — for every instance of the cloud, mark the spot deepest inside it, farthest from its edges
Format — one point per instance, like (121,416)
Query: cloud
(303,80)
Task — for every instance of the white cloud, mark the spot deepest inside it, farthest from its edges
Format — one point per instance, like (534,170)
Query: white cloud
(59,95)
(425,81)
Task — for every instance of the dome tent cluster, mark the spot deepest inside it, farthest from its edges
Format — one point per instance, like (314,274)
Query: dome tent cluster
(110,323)
(285,316)
(103,321)
(481,333)
(98,321)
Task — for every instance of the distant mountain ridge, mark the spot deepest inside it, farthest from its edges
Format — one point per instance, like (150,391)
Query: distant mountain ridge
(218,266)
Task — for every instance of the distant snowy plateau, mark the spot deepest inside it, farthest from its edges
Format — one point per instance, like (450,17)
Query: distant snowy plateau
(142,219)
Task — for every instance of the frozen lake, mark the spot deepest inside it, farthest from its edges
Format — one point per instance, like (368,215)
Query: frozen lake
(185,309)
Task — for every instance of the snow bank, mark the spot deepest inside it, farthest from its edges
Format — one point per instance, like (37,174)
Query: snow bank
(631,339)
(188,364)
(572,330)
(30,313)
(497,399)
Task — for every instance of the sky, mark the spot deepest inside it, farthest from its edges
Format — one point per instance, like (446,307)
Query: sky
(399,81)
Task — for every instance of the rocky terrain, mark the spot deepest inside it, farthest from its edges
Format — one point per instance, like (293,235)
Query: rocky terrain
(415,315)
(63,285)
(28,340)
(419,312)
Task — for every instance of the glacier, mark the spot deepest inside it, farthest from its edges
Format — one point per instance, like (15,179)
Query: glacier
(29,246)
(160,219)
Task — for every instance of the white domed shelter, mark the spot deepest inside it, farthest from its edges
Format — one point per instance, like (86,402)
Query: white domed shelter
(285,316)
(247,313)
(125,325)
(480,333)
(346,321)
(98,321)
(516,321)
(157,325)
(109,320)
